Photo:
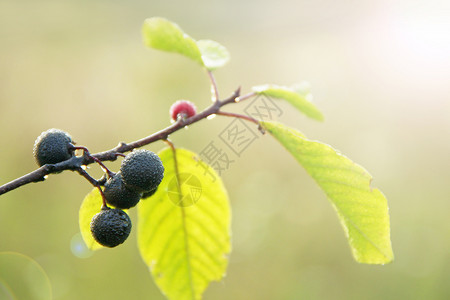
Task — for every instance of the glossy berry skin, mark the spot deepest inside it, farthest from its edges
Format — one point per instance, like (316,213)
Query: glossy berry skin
(182,108)
(52,146)
(118,195)
(142,170)
(110,227)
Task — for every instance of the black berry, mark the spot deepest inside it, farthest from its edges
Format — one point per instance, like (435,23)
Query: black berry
(118,195)
(52,146)
(110,227)
(142,170)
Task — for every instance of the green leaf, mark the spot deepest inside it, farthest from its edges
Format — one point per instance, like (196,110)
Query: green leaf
(184,228)
(298,99)
(161,34)
(363,211)
(214,55)
(90,206)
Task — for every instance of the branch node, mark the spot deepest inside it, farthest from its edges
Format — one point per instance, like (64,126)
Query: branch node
(237,92)
(261,129)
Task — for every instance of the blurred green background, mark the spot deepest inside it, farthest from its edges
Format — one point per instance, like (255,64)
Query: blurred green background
(379,70)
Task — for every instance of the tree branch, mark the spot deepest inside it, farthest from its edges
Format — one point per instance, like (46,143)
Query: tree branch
(75,163)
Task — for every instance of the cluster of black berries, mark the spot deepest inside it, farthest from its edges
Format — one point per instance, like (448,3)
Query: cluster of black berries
(140,174)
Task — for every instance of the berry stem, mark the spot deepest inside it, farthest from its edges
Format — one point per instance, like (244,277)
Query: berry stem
(104,205)
(88,177)
(95,183)
(88,154)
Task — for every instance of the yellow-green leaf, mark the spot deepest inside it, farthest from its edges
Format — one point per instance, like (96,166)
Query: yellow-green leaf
(214,55)
(297,99)
(90,206)
(363,211)
(184,228)
(161,34)
(21,277)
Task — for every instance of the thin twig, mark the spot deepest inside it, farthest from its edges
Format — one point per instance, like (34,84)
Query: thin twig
(232,98)
(88,177)
(234,115)
(214,88)
(41,173)
(246,96)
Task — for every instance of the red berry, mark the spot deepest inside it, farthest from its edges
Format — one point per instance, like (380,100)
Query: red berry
(183,108)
